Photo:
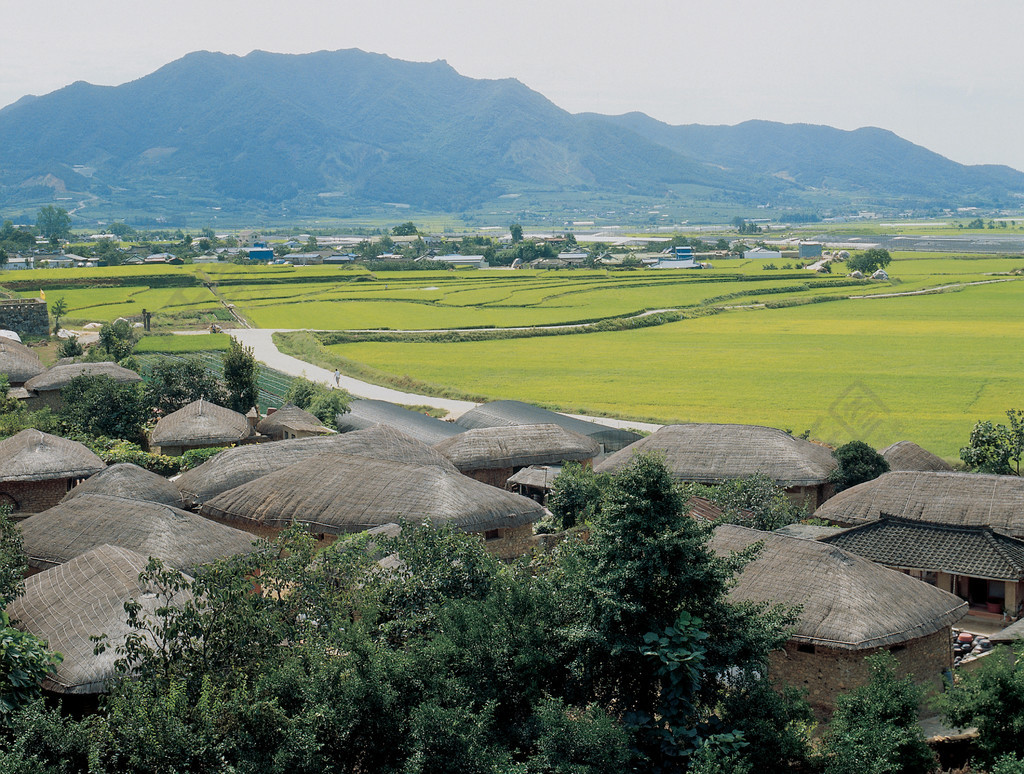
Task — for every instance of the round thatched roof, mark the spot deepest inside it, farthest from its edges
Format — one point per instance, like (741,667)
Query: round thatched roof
(234,467)
(848,602)
(182,539)
(68,604)
(32,455)
(61,375)
(364,414)
(906,455)
(201,423)
(502,413)
(18,361)
(708,454)
(340,493)
(969,499)
(516,446)
(127,480)
(290,417)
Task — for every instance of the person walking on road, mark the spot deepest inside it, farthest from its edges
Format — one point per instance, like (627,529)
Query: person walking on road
(337,377)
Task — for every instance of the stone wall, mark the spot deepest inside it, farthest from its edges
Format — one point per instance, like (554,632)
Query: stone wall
(26,317)
(34,496)
(827,672)
(509,543)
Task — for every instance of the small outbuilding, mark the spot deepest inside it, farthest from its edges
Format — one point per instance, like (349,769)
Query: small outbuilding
(18,363)
(129,481)
(504,413)
(850,608)
(198,425)
(907,455)
(712,454)
(364,414)
(38,469)
(290,421)
(44,389)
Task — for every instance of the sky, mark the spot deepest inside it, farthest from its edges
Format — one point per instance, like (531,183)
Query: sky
(946,75)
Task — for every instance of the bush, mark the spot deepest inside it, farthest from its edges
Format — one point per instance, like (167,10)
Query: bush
(114,451)
(858,463)
(193,458)
(575,495)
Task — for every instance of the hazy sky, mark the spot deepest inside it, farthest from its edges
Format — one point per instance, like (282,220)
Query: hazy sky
(946,75)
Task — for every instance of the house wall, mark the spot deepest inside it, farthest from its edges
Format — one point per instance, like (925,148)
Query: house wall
(509,543)
(811,496)
(34,496)
(44,398)
(828,672)
(493,476)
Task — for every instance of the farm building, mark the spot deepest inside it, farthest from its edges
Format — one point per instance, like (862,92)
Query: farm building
(38,469)
(44,389)
(18,362)
(906,455)
(363,414)
(503,413)
(334,494)
(234,467)
(290,422)
(182,539)
(493,454)
(198,425)
(130,481)
(880,610)
(67,605)
(978,564)
(711,454)
(535,482)
(955,499)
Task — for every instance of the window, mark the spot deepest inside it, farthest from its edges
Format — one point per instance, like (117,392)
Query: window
(492,534)
(803,647)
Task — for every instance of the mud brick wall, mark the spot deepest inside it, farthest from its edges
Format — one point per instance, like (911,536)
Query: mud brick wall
(33,496)
(27,317)
(509,543)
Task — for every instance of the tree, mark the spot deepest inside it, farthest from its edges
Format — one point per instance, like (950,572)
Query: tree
(58,309)
(53,222)
(100,406)
(405,229)
(575,495)
(516,231)
(874,729)
(869,261)
(241,377)
(69,347)
(858,463)
(3,258)
(755,501)
(118,339)
(996,448)
(319,400)
(175,383)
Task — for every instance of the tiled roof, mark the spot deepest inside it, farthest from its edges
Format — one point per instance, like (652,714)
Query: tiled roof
(979,552)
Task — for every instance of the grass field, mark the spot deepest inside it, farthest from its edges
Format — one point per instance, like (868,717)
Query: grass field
(203,342)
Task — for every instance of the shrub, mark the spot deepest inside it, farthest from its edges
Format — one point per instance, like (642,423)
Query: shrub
(858,463)
(193,458)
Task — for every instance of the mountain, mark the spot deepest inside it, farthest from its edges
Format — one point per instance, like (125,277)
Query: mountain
(347,127)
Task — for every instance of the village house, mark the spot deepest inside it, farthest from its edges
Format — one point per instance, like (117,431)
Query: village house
(18,362)
(906,455)
(364,414)
(290,422)
(850,608)
(199,425)
(493,454)
(127,480)
(38,469)
(713,454)
(44,389)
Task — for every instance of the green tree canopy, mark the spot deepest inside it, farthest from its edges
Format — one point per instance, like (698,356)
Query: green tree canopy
(869,261)
(996,448)
(241,377)
(100,406)
(858,463)
(174,383)
(53,222)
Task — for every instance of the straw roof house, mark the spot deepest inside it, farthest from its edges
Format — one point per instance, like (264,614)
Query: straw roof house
(906,455)
(978,564)
(199,424)
(69,604)
(45,388)
(290,421)
(341,493)
(18,362)
(364,414)
(964,499)
(127,480)
(711,454)
(493,454)
(182,539)
(502,413)
(877,609)
(37,469)
(234,467)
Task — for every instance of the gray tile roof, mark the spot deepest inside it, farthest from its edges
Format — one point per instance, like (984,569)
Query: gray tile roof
(979,552)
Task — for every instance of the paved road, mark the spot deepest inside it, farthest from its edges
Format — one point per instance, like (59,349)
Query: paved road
(263,347)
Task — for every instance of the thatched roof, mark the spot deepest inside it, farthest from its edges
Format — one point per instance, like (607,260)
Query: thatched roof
(35,456)
(234,467)
(516,446)
(969,499)
(708,454)
(68,604)
(127,480)
(201,423)
(338,493)
(290,417)
(61,375)
(364,414)
(1010,634)
(537,476)
(18,361)
(182,539)
(848,602)
(502,413)
(906,455)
